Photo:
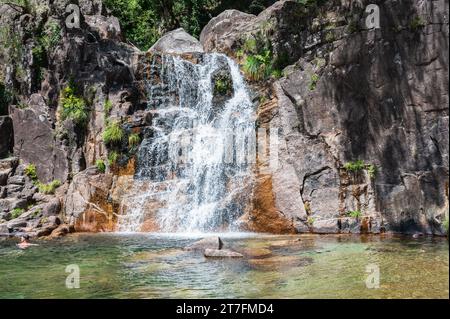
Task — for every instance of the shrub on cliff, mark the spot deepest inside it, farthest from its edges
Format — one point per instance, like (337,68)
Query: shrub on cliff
(73,107)
(113,133)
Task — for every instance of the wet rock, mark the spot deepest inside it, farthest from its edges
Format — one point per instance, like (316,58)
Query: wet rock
(212,243)
(222,253)
(177,42)
(327,226)
(61,231)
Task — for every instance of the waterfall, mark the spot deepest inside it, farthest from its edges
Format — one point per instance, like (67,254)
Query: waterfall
(194,171)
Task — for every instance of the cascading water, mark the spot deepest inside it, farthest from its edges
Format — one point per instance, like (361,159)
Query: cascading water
(195,163)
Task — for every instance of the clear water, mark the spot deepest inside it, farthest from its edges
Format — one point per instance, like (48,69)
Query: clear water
(191,169)
(155,266)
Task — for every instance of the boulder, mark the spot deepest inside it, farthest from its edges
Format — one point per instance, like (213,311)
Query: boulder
(222,253)
(34,136)
(177,42)
(105,27)
(7,136)
(326,226)
(212,243)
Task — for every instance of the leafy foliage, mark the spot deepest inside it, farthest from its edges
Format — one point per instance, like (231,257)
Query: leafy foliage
(313,82)
(134,140)
(144,21)
(46,41)
(107,107)
(49,188)
(73,107)
(259,66)
(354,214)
(113,157)
(355,166)
(16,212)
(372,170)
(416,23)
(100,164)
(113,133)
(30,171)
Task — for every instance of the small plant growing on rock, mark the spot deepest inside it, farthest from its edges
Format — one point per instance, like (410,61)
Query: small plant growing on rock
(372,170)
(17,212)
(107,107)
(310,221)
(30,171)
(113,157)
(313,82)
(354,214)
(258,66)
(355,166)
(100,164)
(133,140)
(49,188)
(113,133)
(73,107)
(416,23)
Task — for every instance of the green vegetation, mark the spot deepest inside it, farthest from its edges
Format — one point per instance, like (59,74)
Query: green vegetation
(372,170)
(133,140)
(113,133)
(144,21)
(30,171)
(49,188)
(330,37)
(73,106)
(313,82)
(112,158)
(355,166)
(46,40)
(37,212)
(354,214)
(222,85)
(107,107)
(16,212)
(310,221)
(259,66)
(359,165)
(100,164)
(416,23)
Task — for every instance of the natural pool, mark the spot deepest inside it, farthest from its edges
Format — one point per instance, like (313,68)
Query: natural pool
(156,266)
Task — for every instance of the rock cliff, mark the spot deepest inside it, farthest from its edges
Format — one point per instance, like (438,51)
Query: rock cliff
(361,115)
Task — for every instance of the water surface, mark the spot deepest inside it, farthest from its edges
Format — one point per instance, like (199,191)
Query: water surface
(156,266)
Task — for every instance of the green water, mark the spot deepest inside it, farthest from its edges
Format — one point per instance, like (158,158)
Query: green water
(155,266)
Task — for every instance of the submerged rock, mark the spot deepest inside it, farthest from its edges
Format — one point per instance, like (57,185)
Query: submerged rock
(223,253)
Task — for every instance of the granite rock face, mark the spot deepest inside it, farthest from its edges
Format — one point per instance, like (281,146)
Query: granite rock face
(345,94)
(177,42)
(379,96)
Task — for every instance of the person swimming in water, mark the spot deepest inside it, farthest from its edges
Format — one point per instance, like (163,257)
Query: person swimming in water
(24,242)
